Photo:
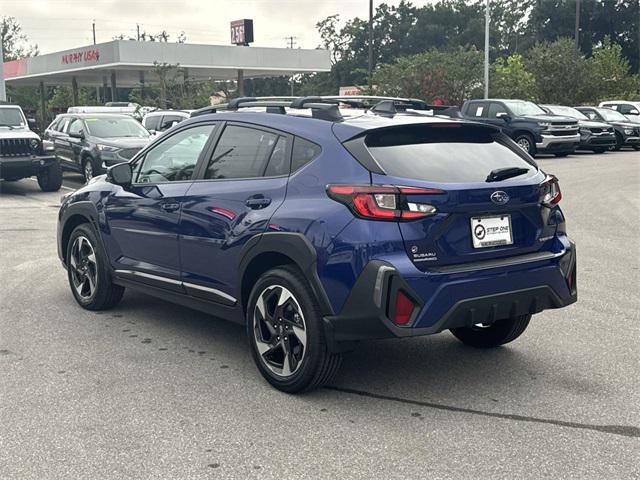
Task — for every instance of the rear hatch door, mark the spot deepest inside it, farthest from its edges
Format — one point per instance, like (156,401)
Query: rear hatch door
(490,206)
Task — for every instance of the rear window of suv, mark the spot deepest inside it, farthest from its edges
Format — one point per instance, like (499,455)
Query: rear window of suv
(448,153)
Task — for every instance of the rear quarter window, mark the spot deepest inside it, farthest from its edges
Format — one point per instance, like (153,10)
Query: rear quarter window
(443,153)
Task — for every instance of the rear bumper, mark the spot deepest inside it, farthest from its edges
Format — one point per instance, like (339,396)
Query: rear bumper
(454,298)
(24,166)
(558,143)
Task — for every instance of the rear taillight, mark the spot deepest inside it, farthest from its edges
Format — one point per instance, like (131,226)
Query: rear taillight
(382,202)
(550,193)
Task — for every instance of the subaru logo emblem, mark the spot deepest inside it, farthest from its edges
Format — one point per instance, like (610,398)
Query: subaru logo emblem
(499,197)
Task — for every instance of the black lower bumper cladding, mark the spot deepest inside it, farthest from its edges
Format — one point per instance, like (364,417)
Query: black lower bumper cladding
(368,310)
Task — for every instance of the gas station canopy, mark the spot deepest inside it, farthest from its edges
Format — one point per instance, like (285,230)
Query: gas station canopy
(128,63)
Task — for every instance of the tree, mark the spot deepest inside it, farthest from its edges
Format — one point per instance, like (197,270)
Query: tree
(561,72)
(449,75)
(609,75)
(14,41)
(510,79)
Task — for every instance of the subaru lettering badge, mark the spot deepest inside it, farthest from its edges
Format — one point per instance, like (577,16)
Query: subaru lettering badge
(499,197)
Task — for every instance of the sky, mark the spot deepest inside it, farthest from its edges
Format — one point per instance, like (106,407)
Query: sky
(58,25)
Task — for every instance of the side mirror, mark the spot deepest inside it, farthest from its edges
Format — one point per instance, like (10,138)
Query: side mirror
(79,134)
(32,123)
(504,116)
(120,174)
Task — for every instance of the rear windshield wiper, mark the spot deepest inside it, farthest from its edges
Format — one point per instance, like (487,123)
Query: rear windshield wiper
(504,173)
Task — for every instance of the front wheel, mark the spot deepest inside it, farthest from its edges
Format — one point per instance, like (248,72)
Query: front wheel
(599,150)
(494,334)
(286,335)
(525,142)
(50,178)
(87,270)
(561,155)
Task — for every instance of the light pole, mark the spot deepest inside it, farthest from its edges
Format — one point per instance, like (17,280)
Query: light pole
(370,43)
(3,92)
(487,21)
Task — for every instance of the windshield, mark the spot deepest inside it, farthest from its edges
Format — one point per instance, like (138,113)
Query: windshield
(524,108)
(612,115)
(11,117)
(111,127)
(567,112)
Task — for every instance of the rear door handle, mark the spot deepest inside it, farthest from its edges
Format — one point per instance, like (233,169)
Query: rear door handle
(169,207)
(257,203)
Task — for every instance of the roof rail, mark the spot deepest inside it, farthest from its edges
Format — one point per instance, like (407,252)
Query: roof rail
(205,111)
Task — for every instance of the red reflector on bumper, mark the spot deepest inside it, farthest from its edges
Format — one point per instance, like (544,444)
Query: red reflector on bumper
(404,309)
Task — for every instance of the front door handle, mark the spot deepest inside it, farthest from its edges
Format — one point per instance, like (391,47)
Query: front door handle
(256,203)
(169,207)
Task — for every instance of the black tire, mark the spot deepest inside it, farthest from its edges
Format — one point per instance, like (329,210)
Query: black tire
(317,366)
(599,150)
(494,335)
(12,179)
(636,147)
(50,178)
(527,143)
(105,293)
(562,155)
(619,142)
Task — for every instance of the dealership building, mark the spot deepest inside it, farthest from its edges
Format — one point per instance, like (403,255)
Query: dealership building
(127,63)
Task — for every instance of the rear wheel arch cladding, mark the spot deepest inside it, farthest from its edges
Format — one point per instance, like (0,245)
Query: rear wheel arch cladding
(294,246)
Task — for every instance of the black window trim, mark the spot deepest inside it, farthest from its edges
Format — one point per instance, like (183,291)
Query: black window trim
(199,173)
(143,153)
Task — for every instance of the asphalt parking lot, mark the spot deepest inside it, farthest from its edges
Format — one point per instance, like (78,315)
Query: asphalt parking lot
(154,390)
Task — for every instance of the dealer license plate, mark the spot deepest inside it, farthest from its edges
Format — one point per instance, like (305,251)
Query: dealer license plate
(491,231)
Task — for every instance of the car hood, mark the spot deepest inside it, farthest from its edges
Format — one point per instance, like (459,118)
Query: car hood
(592,124)
(6,132)
(624,124)
(123,142)
(548,118)
(635,119)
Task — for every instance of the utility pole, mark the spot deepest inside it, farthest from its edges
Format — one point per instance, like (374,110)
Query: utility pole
(487,22)
(370,44)
(93,27)
(138,30)
(577,32)
(3,91)
(291,42)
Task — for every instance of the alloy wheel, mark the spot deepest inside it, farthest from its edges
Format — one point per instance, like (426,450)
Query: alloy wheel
(524,144)
(84,268)
(279,331)
(88,170)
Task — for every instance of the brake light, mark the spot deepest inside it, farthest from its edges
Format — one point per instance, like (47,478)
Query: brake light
(382,202)
(550,193)
(404,309)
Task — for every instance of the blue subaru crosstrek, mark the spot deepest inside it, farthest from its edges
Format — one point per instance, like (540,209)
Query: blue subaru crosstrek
(319,227)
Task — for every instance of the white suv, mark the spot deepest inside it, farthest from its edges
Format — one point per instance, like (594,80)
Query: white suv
(629,109)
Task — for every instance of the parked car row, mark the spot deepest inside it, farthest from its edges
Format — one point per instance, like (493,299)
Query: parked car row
(556,129)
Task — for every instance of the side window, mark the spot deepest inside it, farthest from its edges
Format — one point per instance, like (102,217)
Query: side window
(241,152)
(496,111)
(590,114)
(55,125)
(303,152)
(477,110)
(152,122)
(625,109)
(279,161)
(175,158)
(168,121)
(75,126)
